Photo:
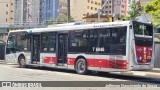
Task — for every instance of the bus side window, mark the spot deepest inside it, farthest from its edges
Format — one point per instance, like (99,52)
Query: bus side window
(78,41)
(118,41)
(104,41)
(11,44)
(93,39)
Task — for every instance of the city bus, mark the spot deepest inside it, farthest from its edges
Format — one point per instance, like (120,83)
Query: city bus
(107,47)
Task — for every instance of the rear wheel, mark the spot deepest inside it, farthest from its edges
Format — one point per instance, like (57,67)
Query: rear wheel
(22,62)
(81,66)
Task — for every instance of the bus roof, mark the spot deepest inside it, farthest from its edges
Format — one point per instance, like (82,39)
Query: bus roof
(77,27)
(81,27)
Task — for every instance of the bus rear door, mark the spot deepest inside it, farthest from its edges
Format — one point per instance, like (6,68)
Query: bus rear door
(62,49)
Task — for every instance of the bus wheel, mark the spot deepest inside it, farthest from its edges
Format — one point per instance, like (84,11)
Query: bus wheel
(81,66)
(22,62)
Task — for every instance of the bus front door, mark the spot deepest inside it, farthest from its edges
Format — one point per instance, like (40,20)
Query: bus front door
(62,49)
(35,49)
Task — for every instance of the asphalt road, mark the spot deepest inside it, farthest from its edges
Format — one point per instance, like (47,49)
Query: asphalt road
(69,79)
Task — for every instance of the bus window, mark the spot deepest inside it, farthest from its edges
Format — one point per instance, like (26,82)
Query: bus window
(48,42)
(118,41)
(103,41)
(93,39)
(143,34)
(78,41)
(18,42)
(11,45)
(11,42)
(25,42)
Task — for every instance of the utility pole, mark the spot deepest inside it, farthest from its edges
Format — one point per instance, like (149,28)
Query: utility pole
(100,10)
(112,2)
(68,11)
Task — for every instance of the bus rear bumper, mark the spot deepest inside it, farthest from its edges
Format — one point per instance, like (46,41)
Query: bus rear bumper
(141,67)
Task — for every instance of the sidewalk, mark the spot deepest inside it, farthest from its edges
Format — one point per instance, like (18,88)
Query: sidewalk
(154,73)
(2,62)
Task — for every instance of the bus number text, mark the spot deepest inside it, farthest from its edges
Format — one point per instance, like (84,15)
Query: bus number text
(98,49)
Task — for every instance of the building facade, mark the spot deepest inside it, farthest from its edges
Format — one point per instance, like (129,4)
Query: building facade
(27,11)
(83,8)
(7,11)
(144,1)
(20,12)
(141,2)
(33,11)
(119,8)
(48,9)
(63,7)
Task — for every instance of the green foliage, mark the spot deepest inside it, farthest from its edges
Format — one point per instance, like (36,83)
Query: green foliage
(60,19)
(135,11)
(48,22)
(63,18)
(153,9)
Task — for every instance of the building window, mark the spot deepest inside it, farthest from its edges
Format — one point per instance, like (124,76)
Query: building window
(87,7)
(93,21)
(11,3)
(7,13)
(106,6)
(99,3)
(6,20)
(122,6)
(91,8)
(109,11)
(88,1)
(109,6)
(96,9)
(96,3)
(122,11)
(87,13)
(104,20)
(6,5)
(91,1)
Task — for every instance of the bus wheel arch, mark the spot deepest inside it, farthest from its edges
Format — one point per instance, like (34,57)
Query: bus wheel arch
(22,61)
(81,65)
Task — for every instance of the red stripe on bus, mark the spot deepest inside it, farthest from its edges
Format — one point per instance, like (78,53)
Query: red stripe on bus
(51,60)
(102,63)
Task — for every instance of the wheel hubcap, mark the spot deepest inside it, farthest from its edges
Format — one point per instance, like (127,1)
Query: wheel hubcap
(23,62)
(81,66)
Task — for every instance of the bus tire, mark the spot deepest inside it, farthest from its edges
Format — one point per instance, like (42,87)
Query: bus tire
(81,66)
(22,62)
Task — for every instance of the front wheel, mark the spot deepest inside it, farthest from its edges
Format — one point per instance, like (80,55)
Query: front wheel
(22,62)
(81,66)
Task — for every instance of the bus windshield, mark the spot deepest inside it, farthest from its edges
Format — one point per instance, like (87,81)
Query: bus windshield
(143,34)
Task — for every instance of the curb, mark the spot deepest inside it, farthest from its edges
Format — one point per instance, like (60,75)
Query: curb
(2,62)
(146,74)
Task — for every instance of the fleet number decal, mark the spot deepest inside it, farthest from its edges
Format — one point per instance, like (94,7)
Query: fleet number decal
(98,49)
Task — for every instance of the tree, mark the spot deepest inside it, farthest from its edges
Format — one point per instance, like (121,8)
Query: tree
(63,18)
(60,19)
(48,22)
(135,10)
(153,9)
